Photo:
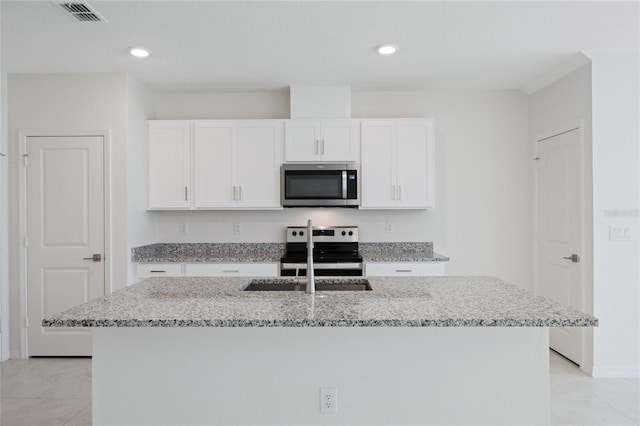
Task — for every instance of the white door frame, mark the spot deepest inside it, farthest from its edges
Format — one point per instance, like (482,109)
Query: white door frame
(22,217)
(555,131)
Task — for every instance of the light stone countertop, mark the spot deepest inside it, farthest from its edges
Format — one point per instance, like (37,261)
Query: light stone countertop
(272,252)
(393,302)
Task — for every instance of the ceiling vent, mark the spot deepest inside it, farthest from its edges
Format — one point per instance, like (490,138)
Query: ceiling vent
(80,11)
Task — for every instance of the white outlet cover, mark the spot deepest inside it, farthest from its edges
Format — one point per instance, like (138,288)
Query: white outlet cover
(329,400)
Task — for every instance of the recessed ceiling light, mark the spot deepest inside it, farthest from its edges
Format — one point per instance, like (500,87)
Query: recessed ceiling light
(387,49)
(139,52)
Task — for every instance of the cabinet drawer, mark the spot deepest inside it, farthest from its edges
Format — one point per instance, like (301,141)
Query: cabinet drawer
(146,270)
(410,269)
(231,269)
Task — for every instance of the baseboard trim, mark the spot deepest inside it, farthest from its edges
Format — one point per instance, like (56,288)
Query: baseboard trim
(15,354)
(630,371)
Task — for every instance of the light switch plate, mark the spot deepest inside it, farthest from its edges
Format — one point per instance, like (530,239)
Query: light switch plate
(619,233)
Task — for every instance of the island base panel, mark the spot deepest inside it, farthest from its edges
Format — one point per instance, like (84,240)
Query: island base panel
(383,375)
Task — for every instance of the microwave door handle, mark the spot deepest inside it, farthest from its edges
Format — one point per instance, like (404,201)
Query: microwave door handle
(344,184)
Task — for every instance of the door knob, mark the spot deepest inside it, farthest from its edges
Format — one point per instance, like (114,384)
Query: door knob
(96,257)
(574,258)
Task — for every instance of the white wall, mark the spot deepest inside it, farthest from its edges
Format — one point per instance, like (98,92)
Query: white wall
(222,105)
(59,102)
(616,202)
(483,208)
(140,107)
(4,241)
(566,101)
(4,228)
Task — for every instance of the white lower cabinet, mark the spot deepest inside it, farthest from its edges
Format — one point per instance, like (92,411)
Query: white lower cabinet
(231,269)
(409,269)
(147,270)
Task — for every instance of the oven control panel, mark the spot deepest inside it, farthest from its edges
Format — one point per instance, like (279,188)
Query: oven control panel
(328,234)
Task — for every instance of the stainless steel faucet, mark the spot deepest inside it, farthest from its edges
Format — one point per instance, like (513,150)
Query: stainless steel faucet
(311,279)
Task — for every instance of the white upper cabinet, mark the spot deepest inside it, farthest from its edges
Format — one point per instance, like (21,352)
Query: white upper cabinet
(213,160)
(321,140)
(233,164)
(398,164)
(169,165)
(237,164)
(259,156)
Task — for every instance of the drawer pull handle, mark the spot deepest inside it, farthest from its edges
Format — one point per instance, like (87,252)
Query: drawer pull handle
(231,271)
(404,270)
(156,272)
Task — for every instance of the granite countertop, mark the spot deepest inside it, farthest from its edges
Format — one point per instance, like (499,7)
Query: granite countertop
(208,252)
(393,302)
(272,252)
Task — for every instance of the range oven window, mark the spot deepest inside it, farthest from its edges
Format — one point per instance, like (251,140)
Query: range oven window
(312,184)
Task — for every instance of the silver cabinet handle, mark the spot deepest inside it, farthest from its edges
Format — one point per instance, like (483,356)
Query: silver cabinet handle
(231,271)
(404,270)
(315,150)
(235,193)
(322,146)
(157,272)
(186,193)
(96,257)
(393,192)
(574,258)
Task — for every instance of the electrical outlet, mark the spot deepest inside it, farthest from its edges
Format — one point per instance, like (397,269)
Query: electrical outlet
(329,400)
(388,227)
(184,228)
(237,228)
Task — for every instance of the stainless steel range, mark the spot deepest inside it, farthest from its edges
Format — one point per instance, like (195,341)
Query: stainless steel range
(335,251)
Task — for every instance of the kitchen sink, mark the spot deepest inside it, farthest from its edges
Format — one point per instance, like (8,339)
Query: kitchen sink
(322,284)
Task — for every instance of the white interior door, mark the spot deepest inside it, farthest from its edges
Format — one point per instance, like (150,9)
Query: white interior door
(560,232)
(65,229)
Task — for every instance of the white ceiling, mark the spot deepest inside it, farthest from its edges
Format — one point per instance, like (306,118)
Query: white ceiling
(207,46)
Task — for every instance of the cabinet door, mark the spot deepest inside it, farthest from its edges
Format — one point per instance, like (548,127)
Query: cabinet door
(406,269)
(146,270)
(302,140)
(414,164)
(169,164)
(338,140)
(214,169)
(378,189)
(231,269)
(258,160)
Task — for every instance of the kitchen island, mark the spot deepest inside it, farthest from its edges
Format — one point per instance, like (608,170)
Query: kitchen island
(414,350)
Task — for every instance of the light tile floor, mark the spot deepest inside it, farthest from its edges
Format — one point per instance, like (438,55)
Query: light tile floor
(45,392)
(577,399)
(57,392)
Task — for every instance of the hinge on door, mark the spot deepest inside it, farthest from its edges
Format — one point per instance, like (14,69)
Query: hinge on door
(26,241)
(26,322)
(26,159)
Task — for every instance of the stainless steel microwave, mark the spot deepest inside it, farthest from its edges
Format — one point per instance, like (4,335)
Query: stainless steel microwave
(320,185)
